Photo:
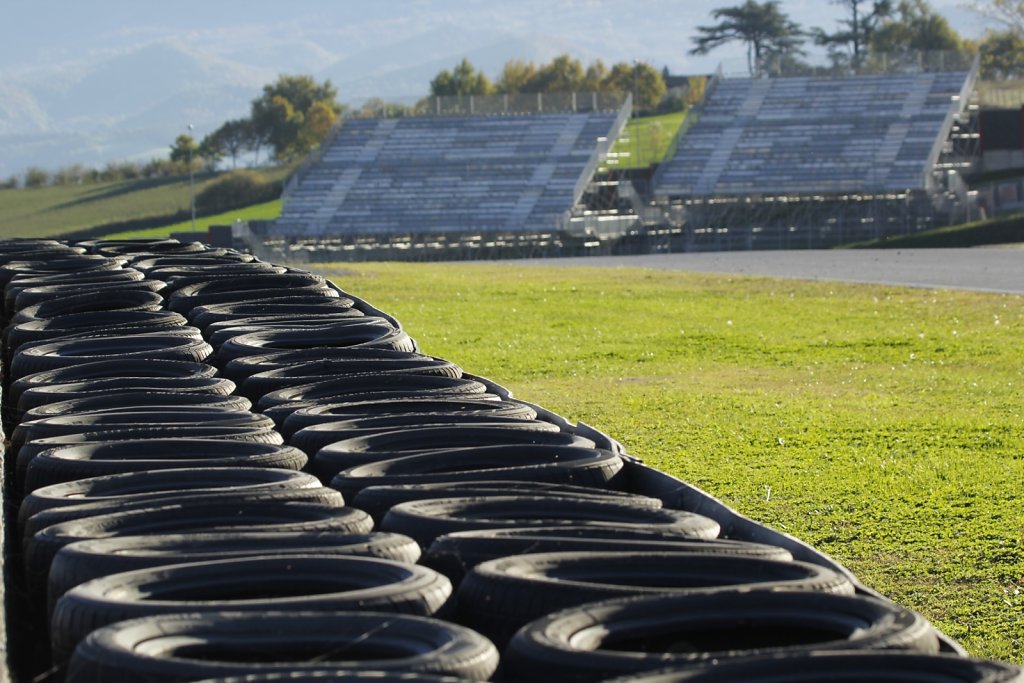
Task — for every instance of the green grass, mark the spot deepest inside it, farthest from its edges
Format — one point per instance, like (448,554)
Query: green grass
(1001,230)
(644,141)
(52,211)
(882,425)
(265,211)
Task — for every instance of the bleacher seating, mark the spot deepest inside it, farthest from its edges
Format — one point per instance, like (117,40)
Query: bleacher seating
(428,175)
(807,136)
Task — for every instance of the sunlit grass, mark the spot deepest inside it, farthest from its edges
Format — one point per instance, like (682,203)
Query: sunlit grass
(882,425)
(265,211)
(644,141)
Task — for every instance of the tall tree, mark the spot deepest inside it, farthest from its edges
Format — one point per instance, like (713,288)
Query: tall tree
(915,28)
(185,151)
(463,80)
(231,139)
(1010,13)
(762,26)
(855,30)
(516,76)
(594,77)
(563,74)
(641,79)
(279,113)
(1002,55)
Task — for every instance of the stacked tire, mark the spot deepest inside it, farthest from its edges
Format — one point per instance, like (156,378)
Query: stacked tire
(225,469)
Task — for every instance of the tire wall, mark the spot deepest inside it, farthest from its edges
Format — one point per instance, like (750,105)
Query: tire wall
(440,456)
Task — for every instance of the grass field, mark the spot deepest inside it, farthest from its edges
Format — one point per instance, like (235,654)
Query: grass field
(644,141)
(49,211)
(265,211)
(882,425)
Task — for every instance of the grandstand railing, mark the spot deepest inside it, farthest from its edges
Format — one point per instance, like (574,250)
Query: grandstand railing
(962,99)
(494,105)
(881,63)
(691,118)
(600,151)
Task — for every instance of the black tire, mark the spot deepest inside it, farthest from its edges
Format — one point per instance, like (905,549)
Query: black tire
(333,412)
(188,304)
(334,447)
(100,394)
(632,635)
(365,332)
(31,296)
(122,322)
(338,676)
(23,281)
(240,368)
(265,382)
(135,420)
(292,583)
(425,520)
(255,435)
(840,667)
(455,554)
(279,413)
(138,419)
(206,517)
(220,334)
(555,464)
(500,596)
(111,368)
(149,484)
(83,303)
(211,258)
(377,500)
(153,402)
(86,560)
(152,345)
(311,439)
(243,644)
(245,287)
(45,518)
(207,315)
(177,277)
(147,247)
(68,463)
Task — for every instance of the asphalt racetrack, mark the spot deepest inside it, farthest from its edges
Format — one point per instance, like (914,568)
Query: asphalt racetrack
(999,269)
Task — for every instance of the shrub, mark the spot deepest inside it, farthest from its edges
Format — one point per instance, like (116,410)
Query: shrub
(36,177)
(11,183)
(234,190)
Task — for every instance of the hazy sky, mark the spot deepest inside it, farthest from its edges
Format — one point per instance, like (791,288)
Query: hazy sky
(46,32)
(108,80)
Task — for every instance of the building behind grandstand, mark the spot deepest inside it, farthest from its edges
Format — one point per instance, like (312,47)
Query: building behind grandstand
(759,163)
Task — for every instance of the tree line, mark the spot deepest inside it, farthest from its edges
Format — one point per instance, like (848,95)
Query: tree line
(871,35)
(563,74)
(289,119)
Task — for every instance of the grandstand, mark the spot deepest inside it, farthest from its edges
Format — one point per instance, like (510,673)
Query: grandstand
(760,163)
(453,179)
(810,161)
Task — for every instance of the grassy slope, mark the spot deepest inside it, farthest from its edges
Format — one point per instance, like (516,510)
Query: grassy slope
(265,211)
(882,425)
(49,211)
(1002,230)
(645,140)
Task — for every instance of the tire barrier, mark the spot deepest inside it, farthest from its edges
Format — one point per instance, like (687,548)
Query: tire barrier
(630,635)
(224,469)
(244,644)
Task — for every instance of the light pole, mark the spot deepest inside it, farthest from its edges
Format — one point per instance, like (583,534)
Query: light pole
(191,178)
(636,109)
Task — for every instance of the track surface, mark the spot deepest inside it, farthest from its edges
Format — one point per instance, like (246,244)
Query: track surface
(981,269)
